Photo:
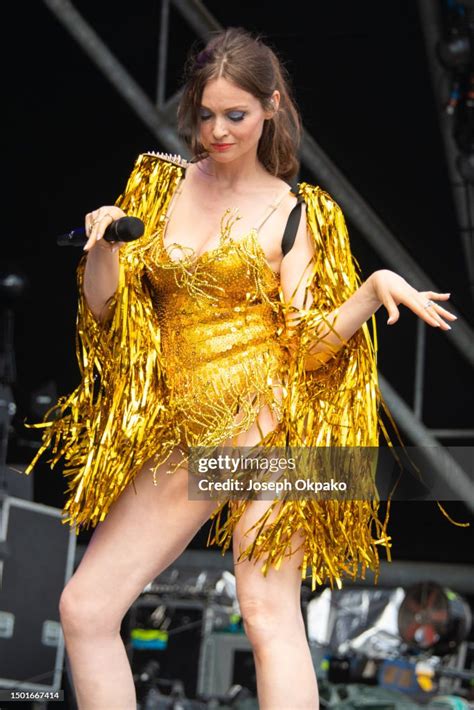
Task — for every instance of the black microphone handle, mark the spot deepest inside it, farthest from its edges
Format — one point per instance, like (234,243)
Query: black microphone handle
(125,229)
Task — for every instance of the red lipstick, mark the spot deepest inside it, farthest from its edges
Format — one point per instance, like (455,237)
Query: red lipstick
(221,146)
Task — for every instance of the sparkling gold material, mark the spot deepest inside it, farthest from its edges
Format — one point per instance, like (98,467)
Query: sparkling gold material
(191,342)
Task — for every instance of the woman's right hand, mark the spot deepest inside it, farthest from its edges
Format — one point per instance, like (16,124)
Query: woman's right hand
(96,223)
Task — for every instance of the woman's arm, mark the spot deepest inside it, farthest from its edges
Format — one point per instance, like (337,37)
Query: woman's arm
(100,280)
(101,272)
(383,287)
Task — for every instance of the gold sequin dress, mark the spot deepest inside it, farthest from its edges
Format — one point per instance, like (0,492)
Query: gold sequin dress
(193,341)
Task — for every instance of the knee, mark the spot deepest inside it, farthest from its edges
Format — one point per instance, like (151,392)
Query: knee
(257,619)
(82,614)
(264,619)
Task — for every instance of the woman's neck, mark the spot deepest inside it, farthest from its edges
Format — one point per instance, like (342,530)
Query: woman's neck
(231,176)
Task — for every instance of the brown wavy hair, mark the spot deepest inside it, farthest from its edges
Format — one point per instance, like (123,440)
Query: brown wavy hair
(253,66)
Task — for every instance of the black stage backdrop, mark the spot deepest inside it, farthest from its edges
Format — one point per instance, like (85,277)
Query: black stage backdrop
(361,79)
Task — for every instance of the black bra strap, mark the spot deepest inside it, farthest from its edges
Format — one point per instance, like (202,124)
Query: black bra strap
(291,228)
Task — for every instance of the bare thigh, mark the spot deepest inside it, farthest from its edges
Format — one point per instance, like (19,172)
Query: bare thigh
(142,534)
(250,580)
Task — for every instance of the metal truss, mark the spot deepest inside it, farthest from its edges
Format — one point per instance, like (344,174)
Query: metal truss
(462,191)
(159,117)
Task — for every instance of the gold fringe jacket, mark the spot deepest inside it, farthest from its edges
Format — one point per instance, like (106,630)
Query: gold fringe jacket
(118,417)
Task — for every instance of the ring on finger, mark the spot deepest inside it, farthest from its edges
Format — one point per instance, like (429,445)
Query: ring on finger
(428,304)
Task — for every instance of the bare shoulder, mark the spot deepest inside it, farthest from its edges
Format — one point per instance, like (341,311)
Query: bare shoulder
(276,185)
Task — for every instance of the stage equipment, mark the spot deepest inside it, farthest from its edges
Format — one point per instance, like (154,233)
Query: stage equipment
(175,619)
(432,617)
(411,640)
(456,53)
(36,561)
(13,285)
(187,622)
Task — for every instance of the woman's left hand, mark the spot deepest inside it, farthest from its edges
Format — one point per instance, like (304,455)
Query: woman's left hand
(392,289)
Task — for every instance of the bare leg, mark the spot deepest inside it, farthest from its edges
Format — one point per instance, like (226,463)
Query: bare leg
(142,535)
(271,611)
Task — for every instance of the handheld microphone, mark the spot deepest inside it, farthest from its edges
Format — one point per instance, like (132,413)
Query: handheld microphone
(125,229)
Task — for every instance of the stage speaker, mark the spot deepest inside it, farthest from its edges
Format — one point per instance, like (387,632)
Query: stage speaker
(36,561)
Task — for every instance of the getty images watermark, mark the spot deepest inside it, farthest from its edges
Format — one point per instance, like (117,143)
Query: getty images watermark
(256,482)
(330,473)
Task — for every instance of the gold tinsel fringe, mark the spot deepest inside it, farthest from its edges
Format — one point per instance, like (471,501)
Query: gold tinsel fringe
(122,413)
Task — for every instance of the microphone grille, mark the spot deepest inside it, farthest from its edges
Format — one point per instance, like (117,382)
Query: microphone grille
(129,228)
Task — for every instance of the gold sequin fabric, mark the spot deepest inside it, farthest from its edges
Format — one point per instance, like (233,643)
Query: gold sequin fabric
(190,342)
(219,323)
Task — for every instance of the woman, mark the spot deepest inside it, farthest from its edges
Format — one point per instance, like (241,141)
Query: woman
(206,332)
